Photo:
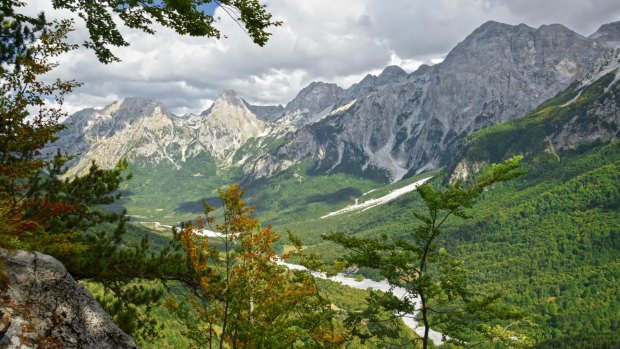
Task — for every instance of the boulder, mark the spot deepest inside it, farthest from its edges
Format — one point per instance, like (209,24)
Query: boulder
(42,306)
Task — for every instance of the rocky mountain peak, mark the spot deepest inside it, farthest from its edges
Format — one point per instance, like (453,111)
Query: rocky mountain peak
(496,38)
(391,74)
(229,97)
(391,124)
(133,108)
(229,123)
(551,55)
(226,98)
(230,109)
(315,97)
(493,28)
(105,135)
(608,34)
(497,73)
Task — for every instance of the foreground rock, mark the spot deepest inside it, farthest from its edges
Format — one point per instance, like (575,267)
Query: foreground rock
(43,307)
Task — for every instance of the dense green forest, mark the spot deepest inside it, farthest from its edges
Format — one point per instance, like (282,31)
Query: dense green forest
(548,240)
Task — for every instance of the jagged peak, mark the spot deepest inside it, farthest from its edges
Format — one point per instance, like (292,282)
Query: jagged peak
(487,32)
(495,25)
(612,27)
(269,113)
(393,70)
(134,102)
(132,108)
(492,29)
(424,68)
(493,36)
(555,28)
(317,86)
(129,109)
(140,99)
(228,97)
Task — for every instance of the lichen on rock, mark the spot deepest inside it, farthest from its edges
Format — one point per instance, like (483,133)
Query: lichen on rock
(43,307)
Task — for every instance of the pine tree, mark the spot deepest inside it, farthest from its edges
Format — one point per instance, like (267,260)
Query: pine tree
(39,210)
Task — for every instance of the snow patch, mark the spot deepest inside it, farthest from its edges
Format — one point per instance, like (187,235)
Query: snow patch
(343,108)
(378,201)
(572,100)
(368,192)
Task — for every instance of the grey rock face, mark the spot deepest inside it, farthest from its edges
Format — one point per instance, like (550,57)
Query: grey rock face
(385,126)
(135,127)
(497,73)
(591,115)
(268,113)
(313,102)
(601,121)
(144,131)
(227,125)
(45,308)
(608,35)
(390,75)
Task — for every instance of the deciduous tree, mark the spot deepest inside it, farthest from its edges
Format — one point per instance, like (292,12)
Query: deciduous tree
(186,17)
(435,283)
(245,299)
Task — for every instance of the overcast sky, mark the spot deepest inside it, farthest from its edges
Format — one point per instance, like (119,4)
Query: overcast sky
(328,40)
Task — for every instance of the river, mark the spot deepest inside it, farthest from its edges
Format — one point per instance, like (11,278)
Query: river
(364,284)
(368,284)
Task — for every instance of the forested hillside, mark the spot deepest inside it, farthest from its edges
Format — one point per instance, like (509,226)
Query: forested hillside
(549,240)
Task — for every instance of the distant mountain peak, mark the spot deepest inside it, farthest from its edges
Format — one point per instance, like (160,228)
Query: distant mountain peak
(494,28)
(230,97)
(608,34)
(227,97)
(269,113)
(313,100)
(391,74)
(133,107)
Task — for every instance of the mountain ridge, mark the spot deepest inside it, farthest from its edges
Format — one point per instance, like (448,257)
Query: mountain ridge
(385,127)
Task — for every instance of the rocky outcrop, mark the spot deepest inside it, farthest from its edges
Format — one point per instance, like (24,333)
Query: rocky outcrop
(43,307)
(465,169)
(313,102)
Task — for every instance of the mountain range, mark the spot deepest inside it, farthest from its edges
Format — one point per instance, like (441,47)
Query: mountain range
(385,127)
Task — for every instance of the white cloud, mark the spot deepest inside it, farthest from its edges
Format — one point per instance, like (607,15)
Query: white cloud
(409,65)
(333,41)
